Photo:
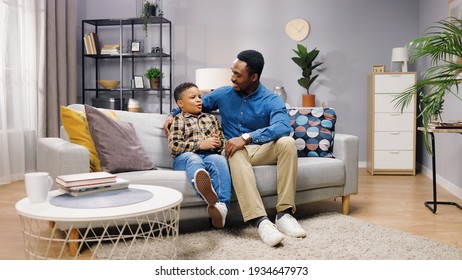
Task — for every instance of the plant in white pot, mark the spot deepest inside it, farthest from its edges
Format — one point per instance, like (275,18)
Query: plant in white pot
(305,60)
(442,43)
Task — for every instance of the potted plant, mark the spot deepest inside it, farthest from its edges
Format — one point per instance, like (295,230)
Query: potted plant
(149,10)
(154,75)
(305,60)
(443,45)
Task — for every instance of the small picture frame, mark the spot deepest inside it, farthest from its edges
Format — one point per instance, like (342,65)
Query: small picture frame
(135,46)
(138,81)
(378,68)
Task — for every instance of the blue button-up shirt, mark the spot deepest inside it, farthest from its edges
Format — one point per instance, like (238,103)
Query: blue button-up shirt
(262,113)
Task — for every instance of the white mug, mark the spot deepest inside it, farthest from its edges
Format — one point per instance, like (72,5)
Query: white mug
(37,186)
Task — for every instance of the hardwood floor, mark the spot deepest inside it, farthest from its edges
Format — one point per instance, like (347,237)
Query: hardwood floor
(390,201)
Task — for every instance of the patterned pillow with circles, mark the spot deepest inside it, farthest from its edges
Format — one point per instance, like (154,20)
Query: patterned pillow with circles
(313,130)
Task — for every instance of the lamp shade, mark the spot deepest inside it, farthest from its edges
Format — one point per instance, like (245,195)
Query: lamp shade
(400,55)
(208,79)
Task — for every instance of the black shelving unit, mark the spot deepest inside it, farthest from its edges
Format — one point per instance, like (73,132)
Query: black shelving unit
(161,59)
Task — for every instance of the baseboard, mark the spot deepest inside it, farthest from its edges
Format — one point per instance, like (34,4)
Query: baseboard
(362,164)
(442,182)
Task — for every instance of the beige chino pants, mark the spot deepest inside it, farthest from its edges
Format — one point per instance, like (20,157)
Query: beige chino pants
(283,153)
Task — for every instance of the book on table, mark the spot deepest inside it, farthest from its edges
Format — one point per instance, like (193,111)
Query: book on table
(98,188)
(84,179)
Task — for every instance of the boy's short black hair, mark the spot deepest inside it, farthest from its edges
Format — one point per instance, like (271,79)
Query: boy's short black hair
(254,60)
(181,88)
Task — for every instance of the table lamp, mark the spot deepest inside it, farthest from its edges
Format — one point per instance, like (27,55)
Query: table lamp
(400,55)
(208,79)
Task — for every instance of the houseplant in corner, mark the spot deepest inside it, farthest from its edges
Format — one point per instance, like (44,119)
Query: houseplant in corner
(442,44)
(305,60)
(154,75)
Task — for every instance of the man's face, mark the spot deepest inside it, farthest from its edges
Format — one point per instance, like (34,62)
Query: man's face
(242,81)
(191,101)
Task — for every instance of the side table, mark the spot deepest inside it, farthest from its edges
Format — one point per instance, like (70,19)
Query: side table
(143,230)
(432,205)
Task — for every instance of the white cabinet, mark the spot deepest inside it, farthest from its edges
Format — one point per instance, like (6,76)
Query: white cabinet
(390,134)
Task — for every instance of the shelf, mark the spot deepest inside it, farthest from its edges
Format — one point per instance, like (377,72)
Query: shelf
(126,89)
(127,55)
(128,21)
(129,63)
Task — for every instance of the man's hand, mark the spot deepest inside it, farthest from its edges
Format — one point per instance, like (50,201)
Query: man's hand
(167,124)
(233,145)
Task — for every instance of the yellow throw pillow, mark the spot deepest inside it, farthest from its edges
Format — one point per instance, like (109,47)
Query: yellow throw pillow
(76,125)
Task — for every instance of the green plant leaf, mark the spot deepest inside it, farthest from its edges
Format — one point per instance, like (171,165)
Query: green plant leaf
(304,60)
(442,45)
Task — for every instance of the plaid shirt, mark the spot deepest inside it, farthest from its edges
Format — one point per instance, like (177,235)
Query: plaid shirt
(188,131)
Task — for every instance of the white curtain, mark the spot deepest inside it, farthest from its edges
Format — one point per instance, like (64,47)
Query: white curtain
(22,80)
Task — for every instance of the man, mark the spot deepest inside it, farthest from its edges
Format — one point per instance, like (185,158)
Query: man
(256,126)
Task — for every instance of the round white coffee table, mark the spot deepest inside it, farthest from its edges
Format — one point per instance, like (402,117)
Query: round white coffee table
(141,230)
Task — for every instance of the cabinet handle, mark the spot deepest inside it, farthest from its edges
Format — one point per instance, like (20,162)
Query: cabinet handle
(394,152)
(395,133)
(395,75)
(395,114)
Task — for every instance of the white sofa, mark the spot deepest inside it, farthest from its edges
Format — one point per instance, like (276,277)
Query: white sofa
(58,156)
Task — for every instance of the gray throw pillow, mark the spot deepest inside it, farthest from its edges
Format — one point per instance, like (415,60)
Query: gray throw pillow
(117,144)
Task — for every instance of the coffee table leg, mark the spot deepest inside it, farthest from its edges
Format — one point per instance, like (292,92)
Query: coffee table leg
(73,245)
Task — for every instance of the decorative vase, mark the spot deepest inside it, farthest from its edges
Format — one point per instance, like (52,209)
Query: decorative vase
(134,105)
(153,11)
(155,83)
(281,92)
(309,100)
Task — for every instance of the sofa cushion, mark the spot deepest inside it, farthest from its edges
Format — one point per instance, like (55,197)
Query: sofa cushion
(313,130)
(117,144)
(311,175)
(150,130)
(76,125)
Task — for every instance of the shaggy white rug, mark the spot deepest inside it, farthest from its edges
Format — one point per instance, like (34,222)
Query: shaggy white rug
(330,236)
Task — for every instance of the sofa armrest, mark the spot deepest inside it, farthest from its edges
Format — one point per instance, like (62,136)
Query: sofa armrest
(346,147)
(59,157)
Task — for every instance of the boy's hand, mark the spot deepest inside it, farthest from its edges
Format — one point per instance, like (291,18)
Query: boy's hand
(210,143)
(167,124)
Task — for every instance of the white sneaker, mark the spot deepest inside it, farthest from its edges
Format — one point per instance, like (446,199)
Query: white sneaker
(203,185)
(269,233)
(218,214)
(289,225)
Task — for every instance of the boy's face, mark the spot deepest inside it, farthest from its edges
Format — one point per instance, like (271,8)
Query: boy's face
(191,101)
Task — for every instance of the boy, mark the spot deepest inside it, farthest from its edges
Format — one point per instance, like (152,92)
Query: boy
(195,142)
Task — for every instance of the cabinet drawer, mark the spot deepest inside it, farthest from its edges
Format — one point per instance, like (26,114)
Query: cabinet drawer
(385,103)
(393,83)
(394,122)
(393,160)
(388,141)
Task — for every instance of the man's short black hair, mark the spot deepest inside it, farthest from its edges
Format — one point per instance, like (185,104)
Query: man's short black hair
(254,60)
(181,88)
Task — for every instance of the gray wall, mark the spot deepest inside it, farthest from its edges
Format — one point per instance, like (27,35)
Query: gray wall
(352,35)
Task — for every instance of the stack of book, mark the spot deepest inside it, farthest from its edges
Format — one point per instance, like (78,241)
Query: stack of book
(91,43)
(446,125)
(90,183)
(111,49)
